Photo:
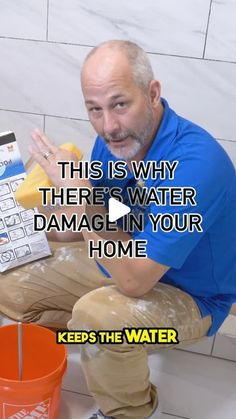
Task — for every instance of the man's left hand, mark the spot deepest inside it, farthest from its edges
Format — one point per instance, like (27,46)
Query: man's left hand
(47,154)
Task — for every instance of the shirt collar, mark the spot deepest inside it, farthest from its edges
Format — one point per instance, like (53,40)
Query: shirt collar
(165,135)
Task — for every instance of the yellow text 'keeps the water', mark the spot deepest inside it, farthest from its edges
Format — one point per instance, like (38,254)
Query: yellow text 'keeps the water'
(127,335)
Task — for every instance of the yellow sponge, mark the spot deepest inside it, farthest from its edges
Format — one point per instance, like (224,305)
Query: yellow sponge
(27,193)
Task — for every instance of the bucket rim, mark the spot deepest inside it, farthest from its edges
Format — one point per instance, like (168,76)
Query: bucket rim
(54,374)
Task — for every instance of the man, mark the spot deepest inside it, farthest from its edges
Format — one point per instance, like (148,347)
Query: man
(187,281)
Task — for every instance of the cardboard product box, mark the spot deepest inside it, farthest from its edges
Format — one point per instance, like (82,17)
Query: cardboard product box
(19,243)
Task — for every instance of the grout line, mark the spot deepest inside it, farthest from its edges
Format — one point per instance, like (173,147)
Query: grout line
(175,416)
(207,355)
(47,20)
(208,21)
(46,115)
(223,359)
(79,119)
(76,392)
(44,123)
(148,52)
(223,139)
(47,41)
(192,352)
(213,344)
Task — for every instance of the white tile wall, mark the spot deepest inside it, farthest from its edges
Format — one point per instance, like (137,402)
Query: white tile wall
(63,130)
(201,91)
(23,19)
(230,148)
(158,26)
(41,77)
(44,78)
(221,43)
(22,124)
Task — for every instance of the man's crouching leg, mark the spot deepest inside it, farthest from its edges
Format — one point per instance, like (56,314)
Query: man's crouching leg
(117,374)
(28,297)
(45,291)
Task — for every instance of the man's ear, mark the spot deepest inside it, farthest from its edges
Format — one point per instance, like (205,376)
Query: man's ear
(154,93)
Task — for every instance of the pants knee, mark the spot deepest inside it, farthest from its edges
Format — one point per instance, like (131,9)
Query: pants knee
(100,309)
(24,299)
(13,298)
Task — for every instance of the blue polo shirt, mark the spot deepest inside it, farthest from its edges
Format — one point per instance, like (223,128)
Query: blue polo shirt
(203,264)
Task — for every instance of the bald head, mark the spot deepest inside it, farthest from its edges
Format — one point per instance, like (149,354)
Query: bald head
(126,56)
(122,98)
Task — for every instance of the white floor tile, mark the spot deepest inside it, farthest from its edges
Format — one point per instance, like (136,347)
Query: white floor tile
(190,385)
(4,321)
(204,346)
(194,386)
(74,379)
(225,347)
(76,406)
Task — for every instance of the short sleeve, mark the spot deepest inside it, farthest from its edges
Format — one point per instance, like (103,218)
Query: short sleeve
(204,166)
(98,154)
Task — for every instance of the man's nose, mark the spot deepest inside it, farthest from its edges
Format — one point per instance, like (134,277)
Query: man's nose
(110,123)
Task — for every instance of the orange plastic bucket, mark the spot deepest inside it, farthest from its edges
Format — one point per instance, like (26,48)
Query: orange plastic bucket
(44,362)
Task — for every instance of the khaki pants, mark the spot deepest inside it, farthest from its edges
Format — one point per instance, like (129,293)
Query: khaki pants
(47,291)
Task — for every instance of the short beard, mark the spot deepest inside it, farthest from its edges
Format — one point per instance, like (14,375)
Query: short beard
(139,139)
(127,154)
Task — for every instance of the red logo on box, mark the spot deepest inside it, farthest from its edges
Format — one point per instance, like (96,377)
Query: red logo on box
(10,148)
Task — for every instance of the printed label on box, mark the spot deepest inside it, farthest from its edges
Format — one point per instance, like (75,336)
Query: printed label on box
(19,243)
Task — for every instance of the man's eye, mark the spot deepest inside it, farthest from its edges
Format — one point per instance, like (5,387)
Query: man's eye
(94,109)
(120,105)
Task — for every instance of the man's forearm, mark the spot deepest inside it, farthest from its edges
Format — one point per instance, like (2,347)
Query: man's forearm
(128,273)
